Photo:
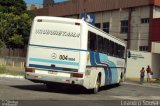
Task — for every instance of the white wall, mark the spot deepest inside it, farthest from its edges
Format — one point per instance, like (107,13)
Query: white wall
(155,47)
(142,59)
(156,12)
(155,65)
(135,64)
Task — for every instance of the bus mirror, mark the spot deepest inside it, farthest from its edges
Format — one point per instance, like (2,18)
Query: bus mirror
(129,54)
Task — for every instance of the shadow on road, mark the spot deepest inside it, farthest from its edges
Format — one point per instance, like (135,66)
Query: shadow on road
(61,89)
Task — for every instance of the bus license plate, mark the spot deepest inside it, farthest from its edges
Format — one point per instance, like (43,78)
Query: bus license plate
(52,72)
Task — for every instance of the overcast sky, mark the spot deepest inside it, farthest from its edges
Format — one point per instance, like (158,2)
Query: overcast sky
(39,1)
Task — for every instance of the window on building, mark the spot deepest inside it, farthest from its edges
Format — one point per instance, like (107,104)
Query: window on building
(124,26)
(98,25)
(143,48)
(144,20)
(106,26)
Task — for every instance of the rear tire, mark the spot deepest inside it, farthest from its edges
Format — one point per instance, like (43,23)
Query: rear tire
(97,85)
(120,80)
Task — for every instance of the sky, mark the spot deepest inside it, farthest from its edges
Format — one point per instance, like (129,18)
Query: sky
(39,1)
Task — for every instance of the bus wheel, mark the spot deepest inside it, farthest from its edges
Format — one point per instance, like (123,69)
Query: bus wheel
(97,85)
(120,80)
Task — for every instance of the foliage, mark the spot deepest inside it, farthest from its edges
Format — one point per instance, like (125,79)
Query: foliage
(3,70)
(2,44)
(12,6)
(157,81)
(15,23)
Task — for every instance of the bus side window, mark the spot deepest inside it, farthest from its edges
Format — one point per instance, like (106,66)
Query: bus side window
(91,41)
(100,44)
(111,48)
(123,51)
(106,46)
(119,51)
(115,50)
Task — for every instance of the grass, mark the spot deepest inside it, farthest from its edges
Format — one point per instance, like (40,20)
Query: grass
(157,81)
(3,70)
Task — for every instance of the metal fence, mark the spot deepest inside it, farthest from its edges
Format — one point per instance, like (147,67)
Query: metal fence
(13,52)
(12,62)
(13,59)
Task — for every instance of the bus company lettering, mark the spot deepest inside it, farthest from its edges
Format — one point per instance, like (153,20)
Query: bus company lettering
(57,33)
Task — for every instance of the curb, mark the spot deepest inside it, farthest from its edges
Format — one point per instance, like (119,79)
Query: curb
(153,85)
(11,76)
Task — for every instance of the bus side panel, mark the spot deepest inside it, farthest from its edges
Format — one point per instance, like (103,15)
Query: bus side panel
(91,76)
(111,71)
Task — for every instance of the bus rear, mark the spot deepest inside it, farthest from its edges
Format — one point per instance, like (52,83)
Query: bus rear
(55,51)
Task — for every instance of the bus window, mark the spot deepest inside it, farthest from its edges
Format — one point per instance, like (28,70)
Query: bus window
(100,43)
(123,51)
(119,51)
(91,41)
(111,48)
(106,46)
(115,49)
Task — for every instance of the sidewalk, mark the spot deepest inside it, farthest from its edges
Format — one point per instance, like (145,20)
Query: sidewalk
(145,84)
(11,76)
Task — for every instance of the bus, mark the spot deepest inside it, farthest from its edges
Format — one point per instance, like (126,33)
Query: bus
(73,52)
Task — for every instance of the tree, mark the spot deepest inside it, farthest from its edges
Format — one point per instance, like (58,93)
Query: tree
(2,44)
(12,6)
(15,23)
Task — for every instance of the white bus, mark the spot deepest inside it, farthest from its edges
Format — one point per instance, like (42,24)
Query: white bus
(71,51)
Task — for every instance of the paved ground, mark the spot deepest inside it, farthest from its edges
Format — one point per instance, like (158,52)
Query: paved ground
(21,89)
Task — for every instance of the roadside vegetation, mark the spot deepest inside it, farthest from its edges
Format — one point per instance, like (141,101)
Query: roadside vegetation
(3,70)
(157,81)
(15,23)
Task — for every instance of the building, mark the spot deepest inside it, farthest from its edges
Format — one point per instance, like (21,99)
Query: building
(135,21)
(34,6)
(47,3)
(138,59)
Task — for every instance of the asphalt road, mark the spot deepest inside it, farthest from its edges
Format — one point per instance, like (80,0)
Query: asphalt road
(29,93)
